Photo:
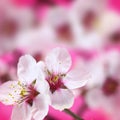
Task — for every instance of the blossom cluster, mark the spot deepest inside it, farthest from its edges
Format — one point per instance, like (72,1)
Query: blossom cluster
(41,84)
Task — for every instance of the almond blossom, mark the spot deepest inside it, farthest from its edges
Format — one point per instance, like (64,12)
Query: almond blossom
(61,79)
(28,94)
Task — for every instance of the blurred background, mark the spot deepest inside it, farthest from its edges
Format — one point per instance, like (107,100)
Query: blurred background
(89,29)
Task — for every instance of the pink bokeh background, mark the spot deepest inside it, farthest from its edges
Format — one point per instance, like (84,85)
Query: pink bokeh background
(89,114)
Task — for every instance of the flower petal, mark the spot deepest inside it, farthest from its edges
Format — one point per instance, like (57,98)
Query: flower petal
(42,86)
(10,92)
(58,60)
(77,78)
(42,68)
(62,98)
(27,69)
(21,112)
(40,107)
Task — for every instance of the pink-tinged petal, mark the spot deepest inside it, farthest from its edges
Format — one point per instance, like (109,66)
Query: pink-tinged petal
(58,60)
(10,92)
(40,107)
(42,68)
(21,112)
(61,99)
(97,69)
(42,86)
(96,99)
(77,78)
(113,65)
(27,69)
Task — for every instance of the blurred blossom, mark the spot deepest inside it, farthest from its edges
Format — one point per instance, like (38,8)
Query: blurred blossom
(109,28)
(59,20)
(86,12)
(85,16)
(9,65)
(11,24)
(107,94)
(37,40)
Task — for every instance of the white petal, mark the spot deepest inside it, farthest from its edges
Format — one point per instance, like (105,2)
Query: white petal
(21,112)
(96,99)
(58,60)
(77,78)
(113,65)
(42,86)
(27,69)
(42,68)
(97,68)
(62,98)
(40,107)
(10,92)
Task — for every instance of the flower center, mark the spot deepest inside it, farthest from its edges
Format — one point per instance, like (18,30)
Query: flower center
(8,27)
(64,31)
(88,19)
(110,86)
(115,37)
(32,94)
(55,82)
(23,93)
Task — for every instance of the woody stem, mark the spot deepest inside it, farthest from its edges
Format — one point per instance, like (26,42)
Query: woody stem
(76,117)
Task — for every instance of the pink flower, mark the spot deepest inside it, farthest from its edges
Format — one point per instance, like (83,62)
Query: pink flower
(61,79)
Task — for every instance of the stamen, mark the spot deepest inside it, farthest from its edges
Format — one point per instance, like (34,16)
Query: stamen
(22,93)
(55,81)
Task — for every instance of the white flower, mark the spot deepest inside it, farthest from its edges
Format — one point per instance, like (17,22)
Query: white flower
(28,94)
(61,79)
